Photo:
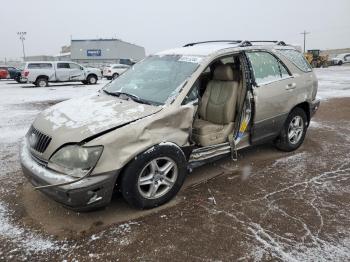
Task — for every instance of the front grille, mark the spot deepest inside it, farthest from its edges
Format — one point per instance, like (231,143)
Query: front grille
(37,140)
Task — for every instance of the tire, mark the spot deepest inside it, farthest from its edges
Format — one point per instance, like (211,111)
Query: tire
(18,79)
(145,173)
(41,82)
(91,80)
(293,132)
(314,64)
(340,63)
(115,75)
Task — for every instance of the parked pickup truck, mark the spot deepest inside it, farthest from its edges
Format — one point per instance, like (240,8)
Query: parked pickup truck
(41,73)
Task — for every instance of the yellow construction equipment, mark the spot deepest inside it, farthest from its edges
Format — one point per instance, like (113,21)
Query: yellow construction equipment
(315,58)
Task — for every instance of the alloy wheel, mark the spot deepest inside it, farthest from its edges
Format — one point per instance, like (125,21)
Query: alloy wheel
(157,178)
(295,130)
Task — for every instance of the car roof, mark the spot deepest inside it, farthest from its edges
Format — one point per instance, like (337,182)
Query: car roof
(38,62)
(212,47)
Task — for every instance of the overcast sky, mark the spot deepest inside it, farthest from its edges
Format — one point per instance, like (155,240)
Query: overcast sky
(163,24)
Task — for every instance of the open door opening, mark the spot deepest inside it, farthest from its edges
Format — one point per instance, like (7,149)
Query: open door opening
(222,123)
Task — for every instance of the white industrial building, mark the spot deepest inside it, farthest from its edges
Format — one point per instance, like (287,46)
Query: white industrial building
(104,51)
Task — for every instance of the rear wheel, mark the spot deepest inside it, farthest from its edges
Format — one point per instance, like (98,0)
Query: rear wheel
(115,75)
(154,177)
(91,80)
(18,79)
(293,132)
(41,82)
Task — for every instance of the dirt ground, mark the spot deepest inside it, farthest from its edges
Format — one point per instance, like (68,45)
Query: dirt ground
(267,206)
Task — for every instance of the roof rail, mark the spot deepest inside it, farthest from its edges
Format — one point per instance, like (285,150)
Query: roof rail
(214,41)
(240,42)
(282,43)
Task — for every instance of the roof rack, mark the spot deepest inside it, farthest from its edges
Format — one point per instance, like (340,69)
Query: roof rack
(240,42)
(281,43)
(214,41)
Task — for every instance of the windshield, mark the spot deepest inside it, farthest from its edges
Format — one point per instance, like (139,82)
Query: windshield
(156,78)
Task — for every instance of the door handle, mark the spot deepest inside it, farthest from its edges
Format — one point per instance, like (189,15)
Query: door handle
(291,86)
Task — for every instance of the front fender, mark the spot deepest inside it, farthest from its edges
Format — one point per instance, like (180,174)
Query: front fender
(122,145)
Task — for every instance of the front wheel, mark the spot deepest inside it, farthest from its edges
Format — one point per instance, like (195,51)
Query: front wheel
(154,177)
(115,75)
(293,131)
(340,63)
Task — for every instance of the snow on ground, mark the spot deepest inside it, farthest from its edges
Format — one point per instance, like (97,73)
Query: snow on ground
(333,82)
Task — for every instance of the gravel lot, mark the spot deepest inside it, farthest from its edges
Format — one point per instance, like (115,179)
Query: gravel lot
(267,206)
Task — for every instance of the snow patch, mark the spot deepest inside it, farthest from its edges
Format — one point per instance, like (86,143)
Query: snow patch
(29,242)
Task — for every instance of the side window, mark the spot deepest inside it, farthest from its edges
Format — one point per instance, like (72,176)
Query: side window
(297,59)
(39,65)
(284,72)
(265,66)
(73,66)
(46,65)
(193,94)
(63,65)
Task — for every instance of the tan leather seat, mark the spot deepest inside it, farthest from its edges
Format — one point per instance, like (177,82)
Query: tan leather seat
(217,109)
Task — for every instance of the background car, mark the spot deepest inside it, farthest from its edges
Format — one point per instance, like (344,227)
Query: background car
(13,72)
(3,74)
(341,59)
(114,70)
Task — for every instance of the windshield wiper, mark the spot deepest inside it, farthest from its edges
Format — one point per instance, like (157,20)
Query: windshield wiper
(132,96)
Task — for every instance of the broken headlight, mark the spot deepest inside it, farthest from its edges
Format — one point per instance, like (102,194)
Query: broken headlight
(75,160)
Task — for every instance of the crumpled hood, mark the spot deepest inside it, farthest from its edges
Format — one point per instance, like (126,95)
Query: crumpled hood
(77,119)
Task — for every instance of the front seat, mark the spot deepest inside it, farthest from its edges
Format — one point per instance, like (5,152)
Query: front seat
(217,108)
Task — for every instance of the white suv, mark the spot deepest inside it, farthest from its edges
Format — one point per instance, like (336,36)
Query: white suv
(41,73)
(115,70)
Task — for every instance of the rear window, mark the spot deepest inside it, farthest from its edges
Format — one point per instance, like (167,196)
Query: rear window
(39,65)
(297,59)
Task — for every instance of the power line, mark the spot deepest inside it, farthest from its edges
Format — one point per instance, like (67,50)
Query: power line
(305,33)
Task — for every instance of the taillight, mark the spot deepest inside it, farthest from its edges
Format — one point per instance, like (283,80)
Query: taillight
(25,73)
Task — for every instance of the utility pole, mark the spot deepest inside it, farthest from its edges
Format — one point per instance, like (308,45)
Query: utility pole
(22,38)
(305,33)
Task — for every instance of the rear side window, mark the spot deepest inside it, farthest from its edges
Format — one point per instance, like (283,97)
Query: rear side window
(266,68)
(297,59)
(39,65)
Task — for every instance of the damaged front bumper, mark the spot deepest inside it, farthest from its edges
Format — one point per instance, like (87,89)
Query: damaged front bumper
(92,192)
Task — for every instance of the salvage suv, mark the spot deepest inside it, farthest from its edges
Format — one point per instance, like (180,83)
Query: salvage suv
(172,111)
(41,73)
